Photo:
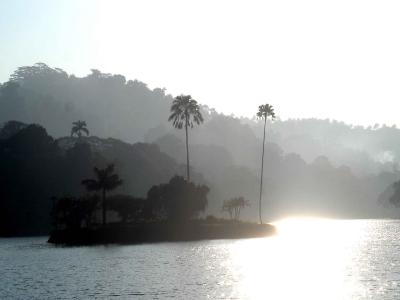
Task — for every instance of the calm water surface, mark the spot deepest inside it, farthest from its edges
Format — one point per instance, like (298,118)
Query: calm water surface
(307,259)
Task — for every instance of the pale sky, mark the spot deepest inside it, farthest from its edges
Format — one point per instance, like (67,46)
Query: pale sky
(324,59)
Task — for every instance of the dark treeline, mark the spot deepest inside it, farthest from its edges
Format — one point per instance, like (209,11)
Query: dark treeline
(316,167)
(175,202)
(35,167)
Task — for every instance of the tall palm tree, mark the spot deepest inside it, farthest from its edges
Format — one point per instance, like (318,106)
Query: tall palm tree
(106,180)
(78,128)
(264,111)
(185,112)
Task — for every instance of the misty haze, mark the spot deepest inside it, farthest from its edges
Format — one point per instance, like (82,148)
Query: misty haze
(237,181)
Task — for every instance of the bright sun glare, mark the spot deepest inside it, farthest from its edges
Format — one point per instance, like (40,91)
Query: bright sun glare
(306,258)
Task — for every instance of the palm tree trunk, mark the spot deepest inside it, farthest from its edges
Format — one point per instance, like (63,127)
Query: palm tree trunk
(104,210)
(262,170)
(187,152)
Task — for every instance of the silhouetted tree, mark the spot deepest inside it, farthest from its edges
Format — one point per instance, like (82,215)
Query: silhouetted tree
(31,140)
(128,207)
(106,180)
(61,211)
(184,113)
(11,128)
(233,206)
(78,128)
(264,111)
(71,211)
(178,200)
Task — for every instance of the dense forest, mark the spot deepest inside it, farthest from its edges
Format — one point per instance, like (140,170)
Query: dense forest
(318,167)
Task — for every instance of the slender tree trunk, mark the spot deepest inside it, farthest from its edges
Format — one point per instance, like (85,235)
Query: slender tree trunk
(262,171)
(187,152)
(104,208)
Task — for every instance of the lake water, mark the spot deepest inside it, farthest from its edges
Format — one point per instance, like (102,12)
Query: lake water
(307,259)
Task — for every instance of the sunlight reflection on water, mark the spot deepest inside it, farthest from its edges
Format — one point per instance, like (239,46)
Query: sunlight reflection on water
(308,259)
(318,259)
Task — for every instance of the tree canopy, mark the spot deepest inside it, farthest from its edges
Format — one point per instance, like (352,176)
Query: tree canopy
(178,199)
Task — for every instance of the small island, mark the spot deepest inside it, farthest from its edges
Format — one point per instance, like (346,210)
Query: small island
(169,213)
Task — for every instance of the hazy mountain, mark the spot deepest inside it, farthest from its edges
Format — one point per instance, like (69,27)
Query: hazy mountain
(321,167)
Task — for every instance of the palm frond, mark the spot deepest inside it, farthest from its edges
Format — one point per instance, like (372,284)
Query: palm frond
(105,179)
(78,127)
(265,111)
(185,112)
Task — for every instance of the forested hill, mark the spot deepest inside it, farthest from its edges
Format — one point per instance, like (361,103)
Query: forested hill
(128,110)
(317,166)
(111,105)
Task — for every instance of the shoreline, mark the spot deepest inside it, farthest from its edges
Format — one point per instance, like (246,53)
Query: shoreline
(159,232)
